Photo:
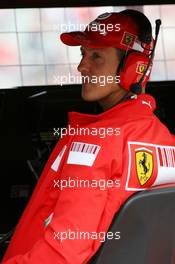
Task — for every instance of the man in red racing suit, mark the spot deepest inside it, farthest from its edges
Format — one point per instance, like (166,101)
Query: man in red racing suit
(100,161)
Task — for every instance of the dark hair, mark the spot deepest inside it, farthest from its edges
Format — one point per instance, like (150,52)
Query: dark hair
(120,53)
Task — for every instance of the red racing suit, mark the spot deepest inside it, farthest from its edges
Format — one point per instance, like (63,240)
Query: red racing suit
(114,154)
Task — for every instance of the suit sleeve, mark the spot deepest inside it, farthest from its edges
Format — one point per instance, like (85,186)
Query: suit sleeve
(78,210)
(80,214)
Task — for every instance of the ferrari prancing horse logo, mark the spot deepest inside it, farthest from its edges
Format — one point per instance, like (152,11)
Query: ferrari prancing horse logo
(144,166)
(141,67)
(128,39)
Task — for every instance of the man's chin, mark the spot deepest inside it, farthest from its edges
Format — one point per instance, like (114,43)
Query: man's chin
(90,92)
(87,97)
(87,93)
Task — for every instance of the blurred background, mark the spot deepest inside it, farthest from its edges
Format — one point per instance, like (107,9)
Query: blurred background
(32,54)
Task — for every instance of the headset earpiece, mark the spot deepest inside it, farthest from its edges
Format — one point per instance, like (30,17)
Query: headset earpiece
(131,69)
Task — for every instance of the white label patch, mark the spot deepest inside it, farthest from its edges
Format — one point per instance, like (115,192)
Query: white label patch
(48,220)
(56,163)
(83,153)
(149,165)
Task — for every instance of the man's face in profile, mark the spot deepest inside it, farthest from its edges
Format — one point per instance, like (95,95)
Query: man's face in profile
(98,68)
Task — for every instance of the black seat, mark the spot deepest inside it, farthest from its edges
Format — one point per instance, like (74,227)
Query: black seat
(147,226)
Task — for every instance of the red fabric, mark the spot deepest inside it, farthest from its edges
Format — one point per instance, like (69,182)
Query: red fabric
(114,29)
(92,157)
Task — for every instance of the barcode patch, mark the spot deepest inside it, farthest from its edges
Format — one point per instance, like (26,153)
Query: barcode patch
(166,156)
(85,148)
(83,153)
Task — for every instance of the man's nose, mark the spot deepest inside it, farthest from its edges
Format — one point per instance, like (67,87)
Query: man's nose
(83,66)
